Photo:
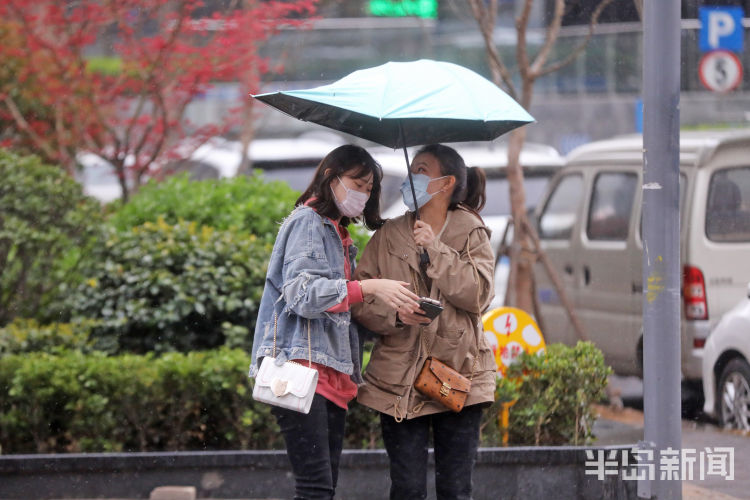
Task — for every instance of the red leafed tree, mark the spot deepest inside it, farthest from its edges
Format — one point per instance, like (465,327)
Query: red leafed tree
(166,53)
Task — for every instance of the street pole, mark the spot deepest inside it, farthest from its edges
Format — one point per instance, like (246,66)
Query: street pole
(661,241)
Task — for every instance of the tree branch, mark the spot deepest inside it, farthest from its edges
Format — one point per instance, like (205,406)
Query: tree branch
(522,54)
(577,51)
(24,125)
(552,33)
(486,21)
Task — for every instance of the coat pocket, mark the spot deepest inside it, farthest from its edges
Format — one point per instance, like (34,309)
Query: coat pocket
(448,338)
(389,365)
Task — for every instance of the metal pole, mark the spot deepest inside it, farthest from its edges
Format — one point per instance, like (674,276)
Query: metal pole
(661,240)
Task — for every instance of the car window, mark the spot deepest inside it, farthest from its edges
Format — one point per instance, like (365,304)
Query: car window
(728,206)
(498,195)
(558,217)
(611,206)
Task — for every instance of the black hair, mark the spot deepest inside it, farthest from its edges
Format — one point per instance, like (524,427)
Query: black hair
(355,162)
(470,188)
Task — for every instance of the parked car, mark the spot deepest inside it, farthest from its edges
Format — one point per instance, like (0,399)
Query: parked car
(589,223)
(726,368)
(292,160)
(540,162)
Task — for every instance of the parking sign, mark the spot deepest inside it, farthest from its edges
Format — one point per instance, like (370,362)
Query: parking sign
(721,28)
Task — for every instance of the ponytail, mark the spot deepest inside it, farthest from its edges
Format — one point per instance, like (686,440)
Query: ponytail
(476,189)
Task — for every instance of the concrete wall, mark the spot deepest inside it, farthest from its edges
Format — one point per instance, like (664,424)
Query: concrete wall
(501,473)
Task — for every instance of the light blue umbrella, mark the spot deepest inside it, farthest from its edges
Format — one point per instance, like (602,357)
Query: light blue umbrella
(401,104)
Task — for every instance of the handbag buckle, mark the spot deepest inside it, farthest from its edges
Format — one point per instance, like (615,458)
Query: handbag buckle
(445,390)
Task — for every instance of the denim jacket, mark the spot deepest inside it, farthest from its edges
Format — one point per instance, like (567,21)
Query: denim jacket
(305,278)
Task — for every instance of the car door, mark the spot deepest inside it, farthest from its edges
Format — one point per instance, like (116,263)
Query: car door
(558,219)
(607,267)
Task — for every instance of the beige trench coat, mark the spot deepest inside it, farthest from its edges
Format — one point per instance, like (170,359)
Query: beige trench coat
(462,272)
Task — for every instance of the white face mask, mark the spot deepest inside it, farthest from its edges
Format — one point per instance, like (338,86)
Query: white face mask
(353,203)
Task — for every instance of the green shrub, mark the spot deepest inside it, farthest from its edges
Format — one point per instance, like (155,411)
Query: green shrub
(73,402)
(46,227)
(246,204)
(70,402)
(161,287)
(26,335)
(249,205)
(554,394)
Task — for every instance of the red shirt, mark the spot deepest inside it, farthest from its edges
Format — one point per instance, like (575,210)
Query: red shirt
(337,387)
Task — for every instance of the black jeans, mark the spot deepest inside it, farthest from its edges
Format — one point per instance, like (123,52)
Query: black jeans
(313,445)
(456,439)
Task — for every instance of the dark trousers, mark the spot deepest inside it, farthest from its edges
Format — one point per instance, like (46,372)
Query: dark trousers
(456,439)
(313,445)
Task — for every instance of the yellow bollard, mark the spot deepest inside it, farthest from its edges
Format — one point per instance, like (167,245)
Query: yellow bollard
(505,420)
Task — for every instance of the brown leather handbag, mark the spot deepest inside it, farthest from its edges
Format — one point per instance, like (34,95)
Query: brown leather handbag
(443,384)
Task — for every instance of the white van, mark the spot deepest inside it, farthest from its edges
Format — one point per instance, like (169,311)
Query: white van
(539,161)
(589,223)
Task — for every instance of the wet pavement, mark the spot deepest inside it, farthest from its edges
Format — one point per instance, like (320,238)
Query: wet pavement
(625,425)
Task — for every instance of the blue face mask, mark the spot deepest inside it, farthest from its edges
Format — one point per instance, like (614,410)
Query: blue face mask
(421,181)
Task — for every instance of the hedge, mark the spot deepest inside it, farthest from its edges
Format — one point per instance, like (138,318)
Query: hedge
(70,402)
(246,205)
(27,335)
(46,227)
(161,287)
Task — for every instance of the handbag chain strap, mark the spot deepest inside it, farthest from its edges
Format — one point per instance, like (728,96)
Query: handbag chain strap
(309,341)
(428,349)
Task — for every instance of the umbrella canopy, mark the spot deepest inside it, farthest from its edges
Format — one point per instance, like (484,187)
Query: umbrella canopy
(400,104)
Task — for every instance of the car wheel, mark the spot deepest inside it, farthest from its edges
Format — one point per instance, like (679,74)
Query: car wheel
(734,395)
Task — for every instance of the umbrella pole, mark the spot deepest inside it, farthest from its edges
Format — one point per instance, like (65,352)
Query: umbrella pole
(408,169)
(424,258)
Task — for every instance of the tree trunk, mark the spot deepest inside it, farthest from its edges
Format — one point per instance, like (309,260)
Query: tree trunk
(523,269)
(246,137)
(121,172)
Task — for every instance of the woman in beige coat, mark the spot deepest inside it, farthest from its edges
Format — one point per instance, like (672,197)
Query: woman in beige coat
(460,275)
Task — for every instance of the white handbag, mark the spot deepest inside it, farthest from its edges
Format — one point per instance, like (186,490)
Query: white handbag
(290,385)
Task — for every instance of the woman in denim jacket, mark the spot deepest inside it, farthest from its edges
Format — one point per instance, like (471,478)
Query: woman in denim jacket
(308,285)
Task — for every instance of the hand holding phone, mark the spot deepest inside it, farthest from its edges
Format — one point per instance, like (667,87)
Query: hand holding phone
(431,307)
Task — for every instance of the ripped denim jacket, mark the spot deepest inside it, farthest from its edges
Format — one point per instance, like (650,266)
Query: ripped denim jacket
(305,278)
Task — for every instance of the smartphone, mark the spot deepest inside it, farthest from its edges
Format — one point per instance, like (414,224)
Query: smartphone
(431,307)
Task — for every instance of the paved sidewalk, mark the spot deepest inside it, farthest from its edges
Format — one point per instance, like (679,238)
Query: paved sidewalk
(625,426)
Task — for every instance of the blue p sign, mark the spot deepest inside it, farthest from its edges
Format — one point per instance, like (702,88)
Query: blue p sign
(721,28)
